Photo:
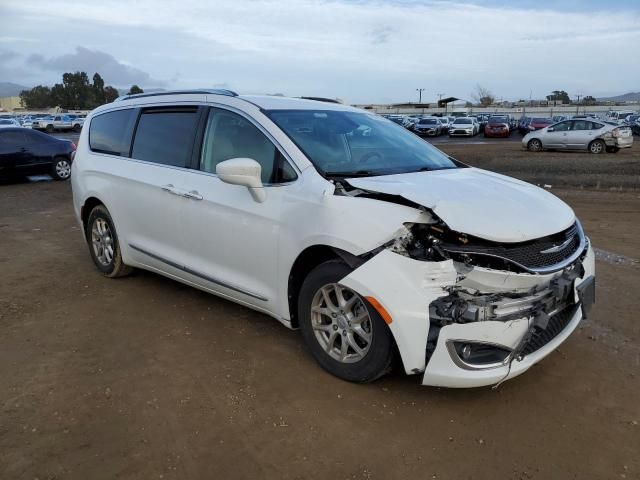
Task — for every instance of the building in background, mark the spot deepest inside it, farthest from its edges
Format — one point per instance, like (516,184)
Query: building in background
(10,104)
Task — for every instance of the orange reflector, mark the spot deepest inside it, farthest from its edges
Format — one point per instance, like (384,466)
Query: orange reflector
(380,309)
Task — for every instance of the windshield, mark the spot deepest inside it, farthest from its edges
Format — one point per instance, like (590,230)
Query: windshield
(463,120)
(498,120)
(346,143)
(541,120)
(428,121)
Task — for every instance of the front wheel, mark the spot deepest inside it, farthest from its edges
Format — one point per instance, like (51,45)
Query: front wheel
(343,332)
(103,244)
(534,145)
(49,129)
(597,146)
(61,169)
(77,128)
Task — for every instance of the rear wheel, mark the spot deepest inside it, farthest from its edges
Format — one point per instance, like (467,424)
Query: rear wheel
(61,169)
(534,145)
(597,146)
(343,332)
(77,128)
(103,244)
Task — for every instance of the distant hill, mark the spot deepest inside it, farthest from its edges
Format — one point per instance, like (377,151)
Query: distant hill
(627,97)
(8,89)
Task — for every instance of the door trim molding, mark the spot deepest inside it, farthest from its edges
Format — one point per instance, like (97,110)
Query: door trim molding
(198,274)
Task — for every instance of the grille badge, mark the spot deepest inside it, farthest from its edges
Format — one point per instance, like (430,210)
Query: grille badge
(557,248)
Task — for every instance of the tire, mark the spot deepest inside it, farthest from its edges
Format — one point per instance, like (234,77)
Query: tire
(534,145)
(326,334)
(597,146)
(77,128)
(61,168)
(101,234)
(613,149)
(49,129)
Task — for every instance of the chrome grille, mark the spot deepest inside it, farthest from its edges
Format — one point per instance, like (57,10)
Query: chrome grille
(550,253)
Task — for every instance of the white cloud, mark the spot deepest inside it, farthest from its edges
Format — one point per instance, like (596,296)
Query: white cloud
(362,51)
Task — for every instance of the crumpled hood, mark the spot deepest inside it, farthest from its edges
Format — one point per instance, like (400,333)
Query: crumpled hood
(478,202)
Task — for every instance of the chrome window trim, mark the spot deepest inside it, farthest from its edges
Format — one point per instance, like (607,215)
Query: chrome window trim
(223,106)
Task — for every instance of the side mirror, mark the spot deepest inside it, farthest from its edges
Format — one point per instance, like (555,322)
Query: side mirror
(245,172)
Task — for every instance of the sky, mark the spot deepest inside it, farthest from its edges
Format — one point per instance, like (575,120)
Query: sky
(361,51)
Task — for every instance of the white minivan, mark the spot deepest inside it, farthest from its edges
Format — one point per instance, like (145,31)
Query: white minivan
(340,223)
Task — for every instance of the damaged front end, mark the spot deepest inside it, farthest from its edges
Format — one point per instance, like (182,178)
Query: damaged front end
(491,309)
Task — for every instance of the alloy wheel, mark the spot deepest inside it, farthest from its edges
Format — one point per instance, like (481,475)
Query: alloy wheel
(341,323)
(102,242)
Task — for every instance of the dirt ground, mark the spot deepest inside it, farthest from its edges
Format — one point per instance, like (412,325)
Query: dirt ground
(144,378)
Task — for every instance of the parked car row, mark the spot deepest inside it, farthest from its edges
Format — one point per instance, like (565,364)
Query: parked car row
(45,122)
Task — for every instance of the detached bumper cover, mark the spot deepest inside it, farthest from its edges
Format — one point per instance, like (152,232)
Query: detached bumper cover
(406,288)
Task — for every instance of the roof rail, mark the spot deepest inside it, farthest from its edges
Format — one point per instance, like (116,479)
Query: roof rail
(212,91)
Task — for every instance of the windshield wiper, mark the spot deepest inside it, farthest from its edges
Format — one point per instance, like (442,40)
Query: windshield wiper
(357,173)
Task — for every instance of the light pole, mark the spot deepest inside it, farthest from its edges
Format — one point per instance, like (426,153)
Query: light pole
(578,104)
(420,90)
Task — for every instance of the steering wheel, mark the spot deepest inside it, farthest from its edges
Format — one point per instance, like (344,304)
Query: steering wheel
(367,157)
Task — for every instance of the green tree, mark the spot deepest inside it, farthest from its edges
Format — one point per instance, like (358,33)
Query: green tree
(98,90)
(559,96)
(110,94)
(37,97)
(589,100)
(135,89)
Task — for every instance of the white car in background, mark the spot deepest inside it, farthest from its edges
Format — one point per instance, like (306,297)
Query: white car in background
(339,223)
(579,134)
(9,123)
(464,127)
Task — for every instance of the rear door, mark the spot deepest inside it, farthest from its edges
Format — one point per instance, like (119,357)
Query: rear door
(153,188)
(580,135)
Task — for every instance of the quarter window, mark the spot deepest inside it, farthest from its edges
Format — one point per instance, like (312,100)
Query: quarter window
(229,135)
(111,132)
(165,136)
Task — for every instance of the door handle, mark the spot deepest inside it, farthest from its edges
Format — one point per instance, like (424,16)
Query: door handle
(193,195)
(171,189)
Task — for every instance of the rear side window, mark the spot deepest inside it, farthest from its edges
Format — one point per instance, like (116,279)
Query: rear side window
(12,138)
(111,132)
(166,136)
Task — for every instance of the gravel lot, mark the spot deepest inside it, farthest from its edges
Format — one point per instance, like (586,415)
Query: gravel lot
(145,378)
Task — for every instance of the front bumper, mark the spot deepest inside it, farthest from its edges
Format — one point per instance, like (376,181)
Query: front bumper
(406,288)
(460,133)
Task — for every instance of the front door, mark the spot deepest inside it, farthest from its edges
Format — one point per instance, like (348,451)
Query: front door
(13,151)
(555,136)
(231,239)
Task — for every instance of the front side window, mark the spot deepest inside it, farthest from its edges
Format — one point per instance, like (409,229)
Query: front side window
(229,135)
(348,143)
(165,136)
(111,132)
